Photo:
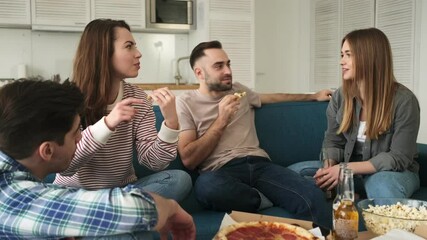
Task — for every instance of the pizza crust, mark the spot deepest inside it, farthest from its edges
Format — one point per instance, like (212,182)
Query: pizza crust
(240,94)
(263,226)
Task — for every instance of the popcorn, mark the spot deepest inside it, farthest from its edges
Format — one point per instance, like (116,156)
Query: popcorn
(381,219)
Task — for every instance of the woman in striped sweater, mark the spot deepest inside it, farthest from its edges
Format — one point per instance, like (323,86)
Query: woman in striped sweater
(119,119)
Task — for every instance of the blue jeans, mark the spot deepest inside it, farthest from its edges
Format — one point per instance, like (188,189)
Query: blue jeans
(173,184)
(235,186)
(383,184)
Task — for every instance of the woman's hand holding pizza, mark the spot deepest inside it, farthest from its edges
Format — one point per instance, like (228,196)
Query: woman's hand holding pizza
(166,101)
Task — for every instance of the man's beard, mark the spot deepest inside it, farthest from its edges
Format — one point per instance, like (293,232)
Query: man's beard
(218,87)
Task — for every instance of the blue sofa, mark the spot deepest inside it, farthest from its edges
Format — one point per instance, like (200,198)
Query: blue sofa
(289,132)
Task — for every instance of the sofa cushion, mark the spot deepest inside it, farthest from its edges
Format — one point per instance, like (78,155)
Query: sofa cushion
(291,132)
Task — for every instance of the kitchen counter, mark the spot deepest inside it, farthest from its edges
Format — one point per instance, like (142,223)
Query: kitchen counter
(171,86)
(176,89)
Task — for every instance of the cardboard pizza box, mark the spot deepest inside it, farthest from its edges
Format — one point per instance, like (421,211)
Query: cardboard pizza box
(246,217)
(236,216)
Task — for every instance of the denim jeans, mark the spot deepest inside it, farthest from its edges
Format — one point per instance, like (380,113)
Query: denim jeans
(172,184)
(383,184)
(235,186)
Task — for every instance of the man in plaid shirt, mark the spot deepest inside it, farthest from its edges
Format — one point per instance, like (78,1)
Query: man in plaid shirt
(39,129)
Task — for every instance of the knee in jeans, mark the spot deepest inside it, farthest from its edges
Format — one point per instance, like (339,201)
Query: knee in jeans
(181,179)
(204,188)
(305,169)
(313,198)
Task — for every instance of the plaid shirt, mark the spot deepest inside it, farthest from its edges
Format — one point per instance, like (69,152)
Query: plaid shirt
(30,209)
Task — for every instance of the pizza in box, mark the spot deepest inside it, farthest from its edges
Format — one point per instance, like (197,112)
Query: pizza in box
(263,230)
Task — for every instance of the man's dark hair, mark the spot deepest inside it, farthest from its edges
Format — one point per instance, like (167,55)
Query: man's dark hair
(199,50)
(34,111)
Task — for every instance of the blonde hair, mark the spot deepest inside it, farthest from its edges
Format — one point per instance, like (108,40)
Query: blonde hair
(373,66)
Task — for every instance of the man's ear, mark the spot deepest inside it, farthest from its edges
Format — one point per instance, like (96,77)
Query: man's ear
(46,150)
(199,73)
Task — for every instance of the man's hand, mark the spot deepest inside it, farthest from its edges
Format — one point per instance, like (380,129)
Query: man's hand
(323,95)
(180,225)
(227,108)
(172,219)
(166,100)
(122,112)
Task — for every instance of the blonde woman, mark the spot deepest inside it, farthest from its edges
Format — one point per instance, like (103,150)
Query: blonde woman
(373,122)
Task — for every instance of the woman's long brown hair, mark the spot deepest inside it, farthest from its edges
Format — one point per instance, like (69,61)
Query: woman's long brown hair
(93,70)
(373,65)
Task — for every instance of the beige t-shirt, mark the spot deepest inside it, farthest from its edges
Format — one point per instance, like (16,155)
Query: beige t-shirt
(198,112)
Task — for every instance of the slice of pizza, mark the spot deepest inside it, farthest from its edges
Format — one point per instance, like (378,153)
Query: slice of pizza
(240,94)
(263,230)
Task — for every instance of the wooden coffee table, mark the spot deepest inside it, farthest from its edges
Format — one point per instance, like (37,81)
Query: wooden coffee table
(365,235)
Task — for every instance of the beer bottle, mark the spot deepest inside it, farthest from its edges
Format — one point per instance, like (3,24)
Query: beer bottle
(345,215)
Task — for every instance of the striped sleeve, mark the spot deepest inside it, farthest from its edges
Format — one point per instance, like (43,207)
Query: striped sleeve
(87,147)
(153,152)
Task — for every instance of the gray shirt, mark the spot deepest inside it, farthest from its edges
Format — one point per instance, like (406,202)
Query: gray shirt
(394,150)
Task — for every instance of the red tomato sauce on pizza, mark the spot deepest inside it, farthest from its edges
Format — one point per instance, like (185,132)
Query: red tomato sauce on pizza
(263,231)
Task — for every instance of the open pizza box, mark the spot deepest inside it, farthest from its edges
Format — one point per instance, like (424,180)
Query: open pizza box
(236,216)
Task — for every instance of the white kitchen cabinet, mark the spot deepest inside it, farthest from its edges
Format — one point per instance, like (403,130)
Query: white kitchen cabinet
(232,23)
(15,13)
(65,15)
(74,15)
(60,15)
(132,11)
(333,19)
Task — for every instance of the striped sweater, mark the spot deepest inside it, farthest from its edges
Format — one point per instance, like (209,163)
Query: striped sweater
(103,158)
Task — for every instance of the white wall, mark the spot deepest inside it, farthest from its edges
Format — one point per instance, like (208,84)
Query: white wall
(282,29)
(282,54)
(48,53)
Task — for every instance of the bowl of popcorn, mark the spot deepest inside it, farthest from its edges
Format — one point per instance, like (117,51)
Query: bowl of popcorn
(384,214)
